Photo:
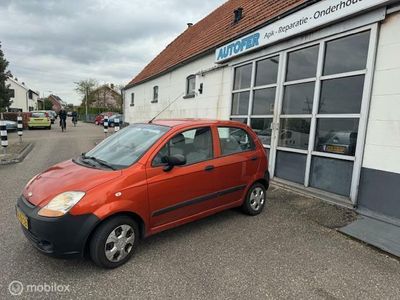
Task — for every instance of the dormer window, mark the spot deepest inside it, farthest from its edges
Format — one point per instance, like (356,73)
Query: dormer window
(237,14)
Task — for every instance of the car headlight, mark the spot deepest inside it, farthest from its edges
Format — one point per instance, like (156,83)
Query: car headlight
(61,204)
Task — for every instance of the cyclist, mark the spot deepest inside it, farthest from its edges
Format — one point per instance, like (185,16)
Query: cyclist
(63,119)
(74,117)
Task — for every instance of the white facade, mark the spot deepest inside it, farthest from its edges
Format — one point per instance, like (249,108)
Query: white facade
(24,98)
(382,146)
(212,103)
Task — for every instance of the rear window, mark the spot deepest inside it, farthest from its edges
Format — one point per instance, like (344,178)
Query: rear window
(38,115)
(234,140)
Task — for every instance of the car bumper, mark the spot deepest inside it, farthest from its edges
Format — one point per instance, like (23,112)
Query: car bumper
(65,236)
(39,124)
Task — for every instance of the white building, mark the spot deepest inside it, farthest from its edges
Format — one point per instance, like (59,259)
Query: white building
(23,98)
(319,81)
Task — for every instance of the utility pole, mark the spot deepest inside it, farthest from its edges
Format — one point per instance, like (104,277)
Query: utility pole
(86,106)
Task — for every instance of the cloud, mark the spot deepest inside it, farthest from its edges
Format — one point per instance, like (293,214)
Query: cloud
(51,44)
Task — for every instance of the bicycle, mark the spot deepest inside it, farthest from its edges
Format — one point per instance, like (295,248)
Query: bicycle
(63,125)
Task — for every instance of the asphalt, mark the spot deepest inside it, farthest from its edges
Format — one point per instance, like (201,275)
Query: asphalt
(291,250)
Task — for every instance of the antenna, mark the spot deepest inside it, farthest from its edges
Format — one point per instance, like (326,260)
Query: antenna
(165,108)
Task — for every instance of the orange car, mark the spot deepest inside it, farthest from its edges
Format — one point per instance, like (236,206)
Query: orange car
(142,180)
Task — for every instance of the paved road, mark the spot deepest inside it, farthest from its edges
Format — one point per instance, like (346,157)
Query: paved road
(280,254)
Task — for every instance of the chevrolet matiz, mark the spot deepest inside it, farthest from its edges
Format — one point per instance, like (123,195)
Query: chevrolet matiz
(142,180)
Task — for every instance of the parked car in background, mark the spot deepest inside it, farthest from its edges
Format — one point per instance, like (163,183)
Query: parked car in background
(100,117)
(111,120)
(39,119)
(140,181)
(11,125)
(50,114)
(343,142)
(69,113)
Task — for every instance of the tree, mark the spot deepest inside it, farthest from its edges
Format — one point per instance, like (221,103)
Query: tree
(5,92)
(84,88)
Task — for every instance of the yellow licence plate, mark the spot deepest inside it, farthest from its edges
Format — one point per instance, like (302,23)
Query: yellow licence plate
(23,219)
(336,149)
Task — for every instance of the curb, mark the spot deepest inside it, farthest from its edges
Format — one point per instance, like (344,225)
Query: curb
(20,157)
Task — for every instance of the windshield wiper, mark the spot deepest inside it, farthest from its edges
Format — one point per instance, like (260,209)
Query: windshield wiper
(99,161)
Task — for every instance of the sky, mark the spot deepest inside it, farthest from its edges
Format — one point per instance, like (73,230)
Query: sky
(51,44)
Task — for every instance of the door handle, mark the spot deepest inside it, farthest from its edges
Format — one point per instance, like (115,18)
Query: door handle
(254,158)
(209,168)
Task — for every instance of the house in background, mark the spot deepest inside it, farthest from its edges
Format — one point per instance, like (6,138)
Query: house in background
(106,96)
(23,98)
(57,102)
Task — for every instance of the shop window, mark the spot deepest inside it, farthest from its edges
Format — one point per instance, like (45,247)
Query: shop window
(132,99)
(302,63)
(234,140)
(331,175)
(190,86)
(298,99)
(262,127)
(155,94)
(242,77)
(347,54)
(338,136)
(291,166)
(342,95)
(294,133)
(263,101)
(240,103)
(267,71)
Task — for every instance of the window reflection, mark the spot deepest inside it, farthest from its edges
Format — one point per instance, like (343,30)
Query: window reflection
(337,136)
(267,71)
(347,54)
(262,127)
(341,95)
(294,133)
(242,77)
(263,102)
(302,63)
(240,103)
(298,98)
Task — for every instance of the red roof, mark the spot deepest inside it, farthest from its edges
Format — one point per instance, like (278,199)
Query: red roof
(214,30)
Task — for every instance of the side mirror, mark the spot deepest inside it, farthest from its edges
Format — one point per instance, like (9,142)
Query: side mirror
(172,161)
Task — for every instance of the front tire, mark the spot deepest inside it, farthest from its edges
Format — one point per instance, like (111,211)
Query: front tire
(114,241)
(255,199)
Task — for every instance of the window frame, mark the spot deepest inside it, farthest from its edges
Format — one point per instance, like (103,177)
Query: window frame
(155,94)
(169,138)
(132,103)
(190,94)
(254,145)
(334,33)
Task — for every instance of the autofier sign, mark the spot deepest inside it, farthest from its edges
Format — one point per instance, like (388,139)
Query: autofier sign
(309,18)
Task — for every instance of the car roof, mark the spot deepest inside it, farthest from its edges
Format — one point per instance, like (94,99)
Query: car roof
(190,122)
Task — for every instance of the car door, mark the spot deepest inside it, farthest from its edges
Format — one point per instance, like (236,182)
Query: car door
(237,163)
(185,190)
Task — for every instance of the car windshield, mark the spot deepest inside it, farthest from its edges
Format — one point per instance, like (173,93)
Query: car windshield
(124,148)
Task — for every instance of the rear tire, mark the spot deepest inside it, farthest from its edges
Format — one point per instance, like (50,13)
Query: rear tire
(114,242)
(255,199)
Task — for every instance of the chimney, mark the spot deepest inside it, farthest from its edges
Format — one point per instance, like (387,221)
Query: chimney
(238,14)
(189,25)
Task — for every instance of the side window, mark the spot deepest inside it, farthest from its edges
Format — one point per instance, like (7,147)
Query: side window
(234,140)
(132,99)
(190,85)
(195,144)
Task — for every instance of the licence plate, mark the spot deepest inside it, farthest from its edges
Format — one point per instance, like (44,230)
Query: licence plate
(23,219)
(336,149)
